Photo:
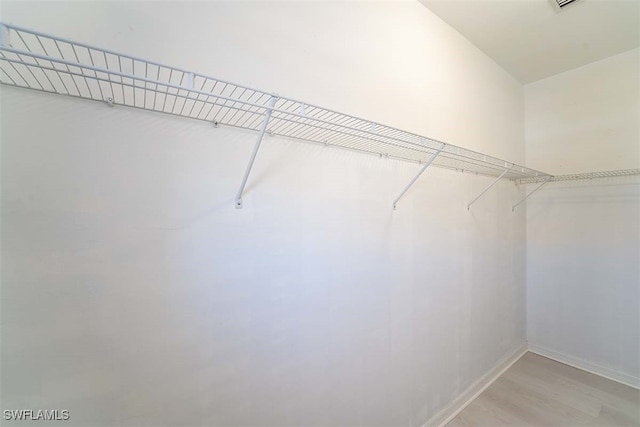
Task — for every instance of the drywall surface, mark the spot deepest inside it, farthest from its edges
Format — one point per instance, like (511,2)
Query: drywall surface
(583,238)
(134,293)
(583,274)
(587,119)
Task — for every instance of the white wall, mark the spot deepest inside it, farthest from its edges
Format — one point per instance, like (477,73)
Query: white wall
(583,238)
(133,293)
(587,119)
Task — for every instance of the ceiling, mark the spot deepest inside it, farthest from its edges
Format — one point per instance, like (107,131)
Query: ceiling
(534,39)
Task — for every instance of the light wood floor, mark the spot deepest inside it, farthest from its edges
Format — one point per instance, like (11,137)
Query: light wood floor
(537,391)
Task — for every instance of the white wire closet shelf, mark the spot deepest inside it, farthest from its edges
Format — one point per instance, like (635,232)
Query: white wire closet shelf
(46,63)
(581,176)
(42,62)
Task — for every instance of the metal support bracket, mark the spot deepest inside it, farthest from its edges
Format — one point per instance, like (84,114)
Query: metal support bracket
(487,189)
(263,128)
(420,172)
(513,208)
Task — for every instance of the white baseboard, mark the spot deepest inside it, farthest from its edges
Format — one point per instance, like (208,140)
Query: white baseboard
(461,402)
(591,367)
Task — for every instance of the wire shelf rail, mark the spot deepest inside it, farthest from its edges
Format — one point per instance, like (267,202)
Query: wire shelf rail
(46,63)
(42,62)
(581,176)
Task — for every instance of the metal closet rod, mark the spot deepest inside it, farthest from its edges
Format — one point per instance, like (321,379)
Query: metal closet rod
(29,64)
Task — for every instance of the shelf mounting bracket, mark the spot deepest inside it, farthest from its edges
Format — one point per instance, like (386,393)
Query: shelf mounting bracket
(263,128)
(415,178)
(513,208)
(487,189)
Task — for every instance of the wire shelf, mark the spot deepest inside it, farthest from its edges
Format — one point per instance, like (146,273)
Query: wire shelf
(46,63)
(582,176)
(42,62)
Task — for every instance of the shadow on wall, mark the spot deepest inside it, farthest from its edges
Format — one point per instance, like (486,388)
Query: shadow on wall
(581,198)
(619,190)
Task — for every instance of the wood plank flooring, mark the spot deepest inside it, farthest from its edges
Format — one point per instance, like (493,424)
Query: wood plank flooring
(537,391)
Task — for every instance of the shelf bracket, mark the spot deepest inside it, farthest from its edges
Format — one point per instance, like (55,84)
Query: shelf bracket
(415,178)
(513,208)
(489,187)
(263,128)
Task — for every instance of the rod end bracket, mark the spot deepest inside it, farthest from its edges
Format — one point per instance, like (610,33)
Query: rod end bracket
(239,203)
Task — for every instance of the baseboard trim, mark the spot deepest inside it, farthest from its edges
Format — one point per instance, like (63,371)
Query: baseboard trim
(447,414)
(593,368)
